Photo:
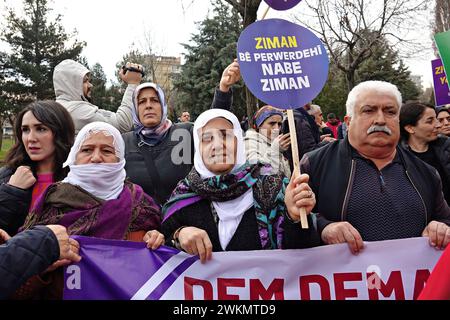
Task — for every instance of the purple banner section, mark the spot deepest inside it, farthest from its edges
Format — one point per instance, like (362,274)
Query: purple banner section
(282,4)
(440,81)
(283,64)
(106,263)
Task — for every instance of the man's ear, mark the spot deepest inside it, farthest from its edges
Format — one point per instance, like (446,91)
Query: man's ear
(347,120)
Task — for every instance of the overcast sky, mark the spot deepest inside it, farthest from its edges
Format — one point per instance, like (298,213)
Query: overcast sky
(112,28)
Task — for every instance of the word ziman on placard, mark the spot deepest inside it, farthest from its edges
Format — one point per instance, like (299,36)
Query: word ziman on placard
(284,83)
(276,42)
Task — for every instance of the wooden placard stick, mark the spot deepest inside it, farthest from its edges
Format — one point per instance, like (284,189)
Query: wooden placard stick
(296,161)
(265,13)
(294,148)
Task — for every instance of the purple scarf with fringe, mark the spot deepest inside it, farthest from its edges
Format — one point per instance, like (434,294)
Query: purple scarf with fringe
(84,214)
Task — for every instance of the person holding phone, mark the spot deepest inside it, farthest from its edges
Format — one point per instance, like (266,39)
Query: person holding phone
(71,81)
(264,142)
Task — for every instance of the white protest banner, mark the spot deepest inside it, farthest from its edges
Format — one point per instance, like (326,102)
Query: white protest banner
(395,269)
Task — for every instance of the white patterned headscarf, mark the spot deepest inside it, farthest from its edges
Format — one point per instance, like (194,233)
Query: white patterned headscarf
(230,212)
(103,180)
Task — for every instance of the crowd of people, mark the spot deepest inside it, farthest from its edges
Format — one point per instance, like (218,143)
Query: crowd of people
(209,186)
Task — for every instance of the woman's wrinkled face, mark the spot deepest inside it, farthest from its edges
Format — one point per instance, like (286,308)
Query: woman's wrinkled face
(218,146)
(271,127)
(149,108)
(97,148)
(444,119)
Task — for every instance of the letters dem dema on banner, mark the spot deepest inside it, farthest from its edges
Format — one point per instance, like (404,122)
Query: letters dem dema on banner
(282,63)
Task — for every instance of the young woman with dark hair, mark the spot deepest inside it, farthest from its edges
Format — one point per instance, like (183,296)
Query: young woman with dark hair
(44,133)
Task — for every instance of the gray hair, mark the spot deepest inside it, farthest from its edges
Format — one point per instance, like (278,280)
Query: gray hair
(314,108)
(378,86)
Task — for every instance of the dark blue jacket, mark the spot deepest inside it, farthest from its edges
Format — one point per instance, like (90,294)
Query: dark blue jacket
(24,255)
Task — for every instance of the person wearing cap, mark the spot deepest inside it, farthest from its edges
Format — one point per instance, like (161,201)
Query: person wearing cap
(333,123)
(71,81)
(264,142)
(160,153)
(443,116)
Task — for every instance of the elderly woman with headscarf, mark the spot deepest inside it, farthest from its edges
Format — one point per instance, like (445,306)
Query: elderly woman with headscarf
(264,143)
(95,199)
(226,204)
(159,153)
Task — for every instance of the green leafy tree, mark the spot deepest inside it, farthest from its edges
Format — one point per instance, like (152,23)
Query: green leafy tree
(385,64)
(248,10)
(6,107)
(99,91)
(333,96)
(211,50)
(37,45)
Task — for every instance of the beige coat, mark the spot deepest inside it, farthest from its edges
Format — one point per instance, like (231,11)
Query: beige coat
(68,83)
(259,148)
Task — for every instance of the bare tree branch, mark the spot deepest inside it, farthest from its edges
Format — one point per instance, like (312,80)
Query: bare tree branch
(351,29)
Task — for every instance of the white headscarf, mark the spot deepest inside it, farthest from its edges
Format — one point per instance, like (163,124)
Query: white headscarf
(103,180)
(230,212)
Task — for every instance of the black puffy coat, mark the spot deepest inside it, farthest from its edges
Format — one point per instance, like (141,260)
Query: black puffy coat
(14,203)
(25,255)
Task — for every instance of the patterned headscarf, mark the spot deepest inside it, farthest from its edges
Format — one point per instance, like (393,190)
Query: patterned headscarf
(265,112)
(268,197)
(234,193)
(150,135)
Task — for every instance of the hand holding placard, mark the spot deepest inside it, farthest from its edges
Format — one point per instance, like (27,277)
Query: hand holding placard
(286,66)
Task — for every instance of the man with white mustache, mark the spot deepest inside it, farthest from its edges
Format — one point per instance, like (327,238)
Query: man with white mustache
(369,189)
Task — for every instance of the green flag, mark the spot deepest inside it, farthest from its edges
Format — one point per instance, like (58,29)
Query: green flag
(442,40)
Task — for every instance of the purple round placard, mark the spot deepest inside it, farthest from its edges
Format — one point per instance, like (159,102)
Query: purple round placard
(282,4)
(283,64)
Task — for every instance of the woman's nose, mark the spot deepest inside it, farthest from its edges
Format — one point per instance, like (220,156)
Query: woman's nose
(96,157)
